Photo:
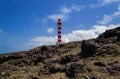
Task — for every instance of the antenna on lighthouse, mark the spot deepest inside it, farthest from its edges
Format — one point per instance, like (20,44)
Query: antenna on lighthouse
(59,23)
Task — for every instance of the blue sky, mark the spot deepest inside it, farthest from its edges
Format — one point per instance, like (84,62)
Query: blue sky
(25,24)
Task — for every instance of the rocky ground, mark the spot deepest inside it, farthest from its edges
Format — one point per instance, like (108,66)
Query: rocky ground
(88,59)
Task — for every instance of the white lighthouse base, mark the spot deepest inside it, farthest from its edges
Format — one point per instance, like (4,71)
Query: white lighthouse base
(57,43)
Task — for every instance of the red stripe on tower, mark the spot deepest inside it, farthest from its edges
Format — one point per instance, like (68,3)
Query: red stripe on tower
(59,23)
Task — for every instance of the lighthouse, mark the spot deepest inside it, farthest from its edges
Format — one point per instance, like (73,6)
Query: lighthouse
(59,24)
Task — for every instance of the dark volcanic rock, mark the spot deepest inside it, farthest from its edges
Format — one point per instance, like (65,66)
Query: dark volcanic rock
(99,64)
(68,58)
(110,33)
(115,69)
(109,36)
(32,77)
(4,75)
(89,69)
(101,45)
(43,48)
(88,48)
(104,70)
(9,57)
(118,36)
(74,69)
(54,68)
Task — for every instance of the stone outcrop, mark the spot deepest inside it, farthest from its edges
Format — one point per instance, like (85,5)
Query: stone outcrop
(100,64)
(114,69)
(74,69)
(109,36)
(103,44)
(88,48)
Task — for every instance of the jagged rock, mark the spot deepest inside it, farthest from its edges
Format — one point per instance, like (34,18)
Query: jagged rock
(54,68)
(81,76)
(115,69)
(43,48)
(89,69)
(74,69)
(9,57)
(104,70)
(62,68)
(97,47)
(68,58)
(43,71)
(112,63)
(99,64)
(116,66)
(118,36)
(32,77)
(51,67)
(4,75)
(109,36)
(110,33)
(88,48)
(94,76)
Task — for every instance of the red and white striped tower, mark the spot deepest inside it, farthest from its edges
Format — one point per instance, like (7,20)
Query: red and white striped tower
(59,23)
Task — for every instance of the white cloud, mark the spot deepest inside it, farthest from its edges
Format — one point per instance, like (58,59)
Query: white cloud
(94,5)
(2,32)
(119,7)
(64,12)
(42,21)
(76,7)
(117,13)
(108,18)
(50,30)
(76,35)
(56,16)
(103,3)
(42,40)
(109,1)
(36,18)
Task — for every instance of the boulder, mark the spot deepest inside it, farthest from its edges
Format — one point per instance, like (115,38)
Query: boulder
(68,58)
(43,48)
(114,69)
(118,36)
(54,68)
(9,57)
(74,69)
(88,48)
(99,64)
(32,77)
